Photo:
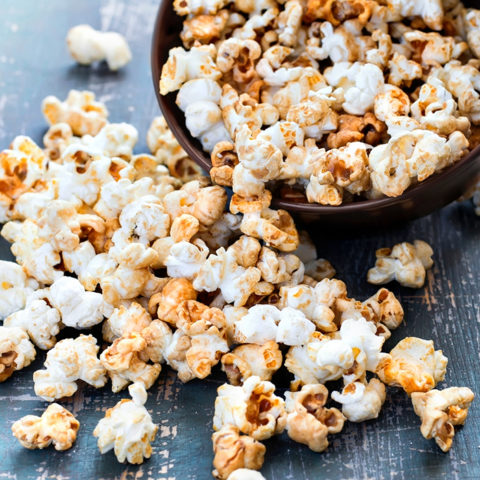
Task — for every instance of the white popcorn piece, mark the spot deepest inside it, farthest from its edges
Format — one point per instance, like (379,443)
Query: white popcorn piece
(127,428)
(361,402)
(70,360)
(430,11)
(87,45)
(38,319)
(440,411)
(294,328)
(289,23)
(270,69)
(58,137)
(15,287)
(234,406)
(403,70)
(308,421)
(196,7)
(56,426)
(239,56)
(259,325)
(418,155)
(405,262)
(79,110)
(414,365)
(16,351)
(472,25)
(245,474)
(257,21)
(186,259)
(182,65)
(78,309)
(113,140)
(361,83)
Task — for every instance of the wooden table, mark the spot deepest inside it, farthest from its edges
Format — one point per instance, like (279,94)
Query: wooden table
(33,64)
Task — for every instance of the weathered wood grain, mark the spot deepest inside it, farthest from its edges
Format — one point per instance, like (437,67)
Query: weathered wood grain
(34,63)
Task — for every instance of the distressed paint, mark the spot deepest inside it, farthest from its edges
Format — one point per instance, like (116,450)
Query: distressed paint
(34,63)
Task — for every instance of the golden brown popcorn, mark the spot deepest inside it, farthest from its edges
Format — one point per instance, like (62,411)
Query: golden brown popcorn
(405,262)
(337,12)
(246,250)
(357,129)
(233,451)
(56,426)
(386,308)
(123,364)
(79,110)
(239,56)
(184,228)
(204,28)
(125,320)
(223,158)
(414,365)
(308,421)
(165,303)
(275,227)
(57,139)
(253,408)
(157,336)
(253,203)
(127,428)
(440,411)
(251,359)
(209,205)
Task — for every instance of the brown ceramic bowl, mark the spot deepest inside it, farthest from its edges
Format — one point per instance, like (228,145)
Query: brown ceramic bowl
(420,200)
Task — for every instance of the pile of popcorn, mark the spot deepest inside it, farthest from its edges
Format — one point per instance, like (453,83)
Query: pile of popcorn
(145,246)
(327,101)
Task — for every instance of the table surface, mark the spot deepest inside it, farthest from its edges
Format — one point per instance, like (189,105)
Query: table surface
(33,64)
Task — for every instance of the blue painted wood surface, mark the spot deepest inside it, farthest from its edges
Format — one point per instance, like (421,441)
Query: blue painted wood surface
(33,64)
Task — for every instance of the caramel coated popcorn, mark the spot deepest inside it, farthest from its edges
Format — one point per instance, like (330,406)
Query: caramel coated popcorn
(274,91)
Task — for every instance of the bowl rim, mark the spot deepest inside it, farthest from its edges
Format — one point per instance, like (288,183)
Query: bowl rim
(201,158)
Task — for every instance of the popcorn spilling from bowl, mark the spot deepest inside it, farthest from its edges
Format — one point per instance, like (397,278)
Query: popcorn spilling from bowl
(144,245)
(339,101)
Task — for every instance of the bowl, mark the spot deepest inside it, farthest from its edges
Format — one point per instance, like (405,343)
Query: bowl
(435,192)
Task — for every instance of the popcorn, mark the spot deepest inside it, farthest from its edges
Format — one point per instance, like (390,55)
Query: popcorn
(386,308)
(196,7)
(56,426)
(113,140)
(16,351)
(157,336)
(274,227)
(308,422)
(79,110)
(361,402)
(182,65)
(68,361)
(472,25)
(78,308)
(58,137)
(245,474)
(433,49)
(127,428)
(418,155)
(224,159)
(123,364)
(361,82)
(403,70)
(233,451)
(289,23)
(405,263)
(239,56)
(175,291)
(294,328)
(440,410)
(414,365)
(430,11)
(259,325)
(253,408)
(270,70)
(279,268)
(249,360)
(15,287)
(38,319)
(125,320)
(204,28)
(186,259)
(87,45)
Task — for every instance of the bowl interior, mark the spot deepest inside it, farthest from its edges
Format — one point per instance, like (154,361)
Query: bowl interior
(419,200)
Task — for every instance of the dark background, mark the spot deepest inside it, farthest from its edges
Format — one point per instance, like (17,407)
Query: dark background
(34,63)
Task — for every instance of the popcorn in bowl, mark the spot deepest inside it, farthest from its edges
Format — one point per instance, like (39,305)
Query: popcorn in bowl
(274,91)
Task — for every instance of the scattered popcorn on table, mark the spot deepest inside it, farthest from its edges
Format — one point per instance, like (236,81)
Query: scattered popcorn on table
(56,426)
(179,274)
(127,428)
(440,411)
(87,45)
